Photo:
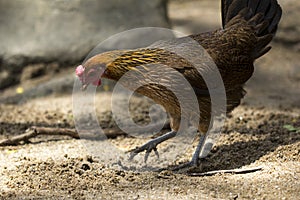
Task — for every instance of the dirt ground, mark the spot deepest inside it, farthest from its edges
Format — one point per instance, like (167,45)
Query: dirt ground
(264,131)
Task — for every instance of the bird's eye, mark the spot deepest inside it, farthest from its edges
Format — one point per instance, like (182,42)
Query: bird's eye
(91,73)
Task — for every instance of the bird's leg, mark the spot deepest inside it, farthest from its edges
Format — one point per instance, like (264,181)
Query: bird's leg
(195,159)
(151,145)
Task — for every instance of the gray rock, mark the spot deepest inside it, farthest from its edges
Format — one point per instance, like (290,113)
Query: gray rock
(65,31)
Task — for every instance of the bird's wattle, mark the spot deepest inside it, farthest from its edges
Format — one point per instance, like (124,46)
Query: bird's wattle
(97,82)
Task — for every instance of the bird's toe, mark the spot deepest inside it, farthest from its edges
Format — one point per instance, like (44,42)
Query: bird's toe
(148,147)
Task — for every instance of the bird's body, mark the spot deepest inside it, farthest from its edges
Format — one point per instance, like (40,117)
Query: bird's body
(248,27)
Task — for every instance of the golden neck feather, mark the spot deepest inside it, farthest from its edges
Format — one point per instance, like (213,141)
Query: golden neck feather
(123,61)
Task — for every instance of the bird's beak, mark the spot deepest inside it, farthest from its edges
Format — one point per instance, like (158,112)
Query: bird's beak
(84,86)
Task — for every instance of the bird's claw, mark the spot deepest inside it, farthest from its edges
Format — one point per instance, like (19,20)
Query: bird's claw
(148,147)
(186,167)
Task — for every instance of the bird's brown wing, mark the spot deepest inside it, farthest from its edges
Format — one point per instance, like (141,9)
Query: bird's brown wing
(190,59)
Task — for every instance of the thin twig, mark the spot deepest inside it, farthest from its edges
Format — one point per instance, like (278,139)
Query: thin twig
(232,171)
(35,131)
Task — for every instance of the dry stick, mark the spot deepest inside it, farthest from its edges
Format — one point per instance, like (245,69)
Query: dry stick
(36,131)
(88,134)
(232,171)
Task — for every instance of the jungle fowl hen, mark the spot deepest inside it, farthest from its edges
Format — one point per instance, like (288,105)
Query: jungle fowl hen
(248,28)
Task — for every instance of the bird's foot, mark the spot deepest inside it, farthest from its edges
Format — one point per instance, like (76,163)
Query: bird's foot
(192,166)
(151,146)
(148,147)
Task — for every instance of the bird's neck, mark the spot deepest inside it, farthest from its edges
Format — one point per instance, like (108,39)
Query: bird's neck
(131,60)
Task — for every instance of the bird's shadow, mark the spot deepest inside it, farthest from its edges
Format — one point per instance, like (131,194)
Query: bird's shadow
(249,145)
(242,153)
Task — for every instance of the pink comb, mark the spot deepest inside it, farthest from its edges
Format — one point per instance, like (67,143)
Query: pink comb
(79,70)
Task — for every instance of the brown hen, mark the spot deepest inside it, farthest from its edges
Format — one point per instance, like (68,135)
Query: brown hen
(248,27)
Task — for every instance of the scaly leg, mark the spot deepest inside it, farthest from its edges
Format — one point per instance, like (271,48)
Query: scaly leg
(195,159)
(151,145)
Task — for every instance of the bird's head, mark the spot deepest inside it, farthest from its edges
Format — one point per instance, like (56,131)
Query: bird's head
(90,74)
(113,65)
(95,68)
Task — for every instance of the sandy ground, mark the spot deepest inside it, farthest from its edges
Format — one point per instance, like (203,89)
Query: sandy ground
(264,131)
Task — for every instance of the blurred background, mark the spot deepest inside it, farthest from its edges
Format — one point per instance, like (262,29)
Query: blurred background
(42,41)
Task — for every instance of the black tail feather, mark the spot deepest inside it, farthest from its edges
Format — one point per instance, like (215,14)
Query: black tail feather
(253,5)
(231,8)
(262,15)
(261,46)
(274,23)
(257,12)
(263,7)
